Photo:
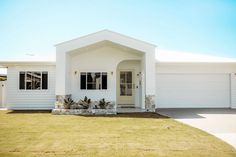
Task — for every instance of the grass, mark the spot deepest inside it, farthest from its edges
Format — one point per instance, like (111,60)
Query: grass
(138,134)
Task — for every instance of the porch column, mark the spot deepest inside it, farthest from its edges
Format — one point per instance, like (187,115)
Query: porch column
(150,80)
(62,91)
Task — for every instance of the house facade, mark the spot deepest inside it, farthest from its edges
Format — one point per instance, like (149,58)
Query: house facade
(122,70)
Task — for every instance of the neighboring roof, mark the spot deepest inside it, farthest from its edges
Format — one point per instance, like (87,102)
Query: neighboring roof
(187,57)
(105,35)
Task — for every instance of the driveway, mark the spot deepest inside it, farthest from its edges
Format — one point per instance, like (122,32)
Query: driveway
(219,122)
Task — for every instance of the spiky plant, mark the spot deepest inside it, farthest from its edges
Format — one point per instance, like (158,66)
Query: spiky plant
(103,104)
(85,103)
(68,102)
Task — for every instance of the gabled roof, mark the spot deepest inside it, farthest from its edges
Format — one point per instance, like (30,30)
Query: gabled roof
(105,35)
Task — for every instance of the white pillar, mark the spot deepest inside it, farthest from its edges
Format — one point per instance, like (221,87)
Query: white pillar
(62,78)
(150,80)
(150,73)
(60,73)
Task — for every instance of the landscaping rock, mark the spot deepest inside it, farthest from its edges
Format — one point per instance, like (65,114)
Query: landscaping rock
(84,111)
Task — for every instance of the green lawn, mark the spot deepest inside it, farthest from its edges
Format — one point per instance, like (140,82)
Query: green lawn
(145,134)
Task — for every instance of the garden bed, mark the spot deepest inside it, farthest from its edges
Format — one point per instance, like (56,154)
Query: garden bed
(85,107)
(84,111)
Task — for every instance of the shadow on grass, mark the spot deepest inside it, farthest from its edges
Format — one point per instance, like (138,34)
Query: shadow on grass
(132,115)
(28,111)
(118,115)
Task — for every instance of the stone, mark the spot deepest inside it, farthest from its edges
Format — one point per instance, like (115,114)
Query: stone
(77,108)
(84,111)
(150,103)
(59,104)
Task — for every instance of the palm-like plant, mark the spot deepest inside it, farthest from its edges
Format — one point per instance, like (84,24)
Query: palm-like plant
(103,104)
(68,102)
(85,103)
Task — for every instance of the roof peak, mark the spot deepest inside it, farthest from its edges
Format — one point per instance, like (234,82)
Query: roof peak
(103,32)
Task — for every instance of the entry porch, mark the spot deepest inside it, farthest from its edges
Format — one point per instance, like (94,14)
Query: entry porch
(107,65)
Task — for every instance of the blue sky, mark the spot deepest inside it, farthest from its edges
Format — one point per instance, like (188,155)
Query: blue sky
(35,26)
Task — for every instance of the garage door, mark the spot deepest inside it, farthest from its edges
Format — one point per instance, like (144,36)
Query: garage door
(193,90)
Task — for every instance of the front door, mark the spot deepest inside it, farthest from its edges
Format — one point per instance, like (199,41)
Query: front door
(126,91)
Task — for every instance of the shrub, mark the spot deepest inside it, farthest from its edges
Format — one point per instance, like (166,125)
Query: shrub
(68,102)
(85,103)
(103,104)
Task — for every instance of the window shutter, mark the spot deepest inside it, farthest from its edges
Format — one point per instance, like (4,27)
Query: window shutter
(22,80)
(44,80)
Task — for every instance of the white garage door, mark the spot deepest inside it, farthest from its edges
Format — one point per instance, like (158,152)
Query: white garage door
(193,90)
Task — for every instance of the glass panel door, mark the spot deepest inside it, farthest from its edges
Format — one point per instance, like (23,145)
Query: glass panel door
(125,83)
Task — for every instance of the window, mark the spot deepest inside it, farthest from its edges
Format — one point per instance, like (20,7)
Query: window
(93,80)
(29,80)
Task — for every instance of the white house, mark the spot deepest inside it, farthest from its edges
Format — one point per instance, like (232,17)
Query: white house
(120,69)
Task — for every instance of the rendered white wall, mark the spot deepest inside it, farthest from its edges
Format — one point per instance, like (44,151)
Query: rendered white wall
(105,35)
(125,43)
(150,73)
(101,59)
(60,73)
(30,99)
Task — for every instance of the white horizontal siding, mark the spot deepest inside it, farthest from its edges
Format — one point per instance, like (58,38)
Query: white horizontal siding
(30,99)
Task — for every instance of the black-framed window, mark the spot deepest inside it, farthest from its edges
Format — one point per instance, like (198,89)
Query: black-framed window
(33,80)
(93,80)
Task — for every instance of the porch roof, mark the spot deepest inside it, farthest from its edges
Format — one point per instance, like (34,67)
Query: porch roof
(105,35)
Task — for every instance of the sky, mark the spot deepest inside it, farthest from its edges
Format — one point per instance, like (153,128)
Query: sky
(32,27)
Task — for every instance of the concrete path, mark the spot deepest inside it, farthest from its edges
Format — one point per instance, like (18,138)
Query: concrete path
(219,122)
(129,110)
